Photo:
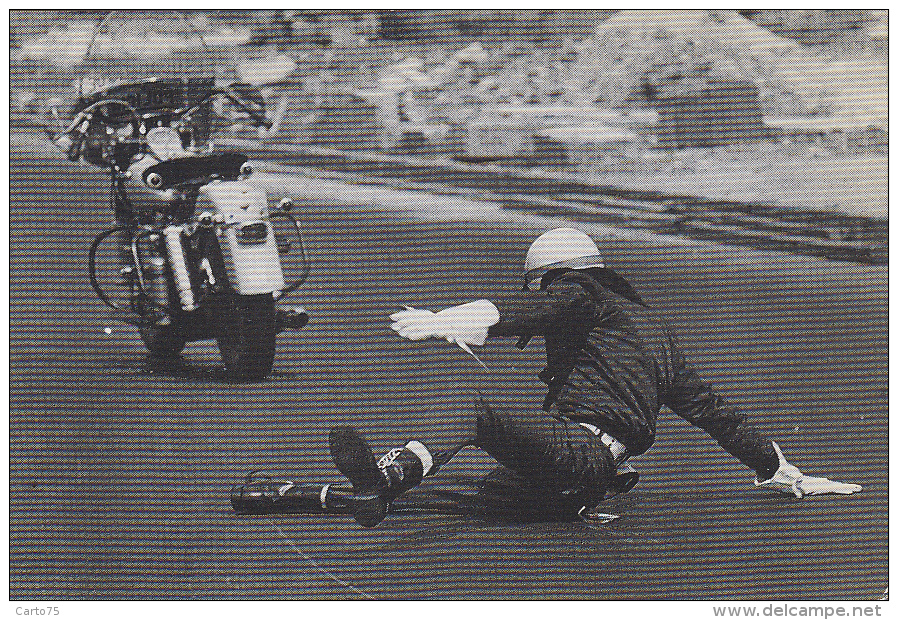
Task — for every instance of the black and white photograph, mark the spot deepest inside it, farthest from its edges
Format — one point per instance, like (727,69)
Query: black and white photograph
(319,305)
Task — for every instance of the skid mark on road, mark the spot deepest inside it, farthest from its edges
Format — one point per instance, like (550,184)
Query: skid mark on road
(317,566)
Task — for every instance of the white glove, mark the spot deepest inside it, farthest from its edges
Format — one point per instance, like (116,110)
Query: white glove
(788,479)
(466,324)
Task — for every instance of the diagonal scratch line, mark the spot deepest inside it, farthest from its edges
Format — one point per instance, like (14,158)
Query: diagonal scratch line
(324,571)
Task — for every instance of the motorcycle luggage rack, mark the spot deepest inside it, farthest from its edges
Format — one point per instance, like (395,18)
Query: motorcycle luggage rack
(295,284)
(141,306)
(152,314)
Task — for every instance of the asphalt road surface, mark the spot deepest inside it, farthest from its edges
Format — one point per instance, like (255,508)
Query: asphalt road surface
(120,467)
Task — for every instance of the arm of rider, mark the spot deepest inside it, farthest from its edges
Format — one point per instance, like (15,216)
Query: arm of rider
(788,479)
(466,324)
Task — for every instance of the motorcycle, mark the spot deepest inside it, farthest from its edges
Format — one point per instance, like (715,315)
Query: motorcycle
(199,249)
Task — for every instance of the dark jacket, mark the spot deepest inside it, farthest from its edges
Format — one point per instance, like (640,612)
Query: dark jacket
(613,362)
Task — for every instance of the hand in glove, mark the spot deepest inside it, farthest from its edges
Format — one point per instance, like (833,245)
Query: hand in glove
(465,324)
(788,479)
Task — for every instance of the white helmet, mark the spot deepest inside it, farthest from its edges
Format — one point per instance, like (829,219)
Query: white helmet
(558,248)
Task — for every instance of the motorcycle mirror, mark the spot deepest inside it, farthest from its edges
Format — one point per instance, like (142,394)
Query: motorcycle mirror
(154,180)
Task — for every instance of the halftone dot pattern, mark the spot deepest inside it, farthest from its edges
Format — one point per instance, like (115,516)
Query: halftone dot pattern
(120,466)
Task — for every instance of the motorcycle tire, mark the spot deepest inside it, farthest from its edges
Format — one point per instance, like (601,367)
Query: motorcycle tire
(246,331)
(163,340)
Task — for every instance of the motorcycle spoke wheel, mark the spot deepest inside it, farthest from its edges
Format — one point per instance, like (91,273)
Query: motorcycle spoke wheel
(246,334)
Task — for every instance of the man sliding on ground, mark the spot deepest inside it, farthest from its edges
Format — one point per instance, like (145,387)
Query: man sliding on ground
(612,363)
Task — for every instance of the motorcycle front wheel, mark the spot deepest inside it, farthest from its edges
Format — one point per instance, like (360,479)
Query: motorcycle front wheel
(246,331)
(163,340)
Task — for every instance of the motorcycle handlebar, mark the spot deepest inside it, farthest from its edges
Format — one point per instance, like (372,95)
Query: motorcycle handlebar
(255,112)
(71,139)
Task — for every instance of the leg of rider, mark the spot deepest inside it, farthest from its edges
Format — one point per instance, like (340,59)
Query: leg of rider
(405,467)
(561,457)
(399,470)
(376,483)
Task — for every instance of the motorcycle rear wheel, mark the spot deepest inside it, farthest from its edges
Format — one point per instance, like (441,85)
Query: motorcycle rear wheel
(246,333)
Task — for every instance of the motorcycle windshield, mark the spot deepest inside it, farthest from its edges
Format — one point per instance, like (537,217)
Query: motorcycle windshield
(160,64)
(129,47)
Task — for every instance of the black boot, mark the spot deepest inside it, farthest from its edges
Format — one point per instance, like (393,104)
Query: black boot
(261,493)
(377,483)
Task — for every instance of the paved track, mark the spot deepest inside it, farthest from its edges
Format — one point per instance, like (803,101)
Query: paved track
(120,468)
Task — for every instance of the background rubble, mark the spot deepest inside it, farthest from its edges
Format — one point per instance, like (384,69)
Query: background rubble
(586,92)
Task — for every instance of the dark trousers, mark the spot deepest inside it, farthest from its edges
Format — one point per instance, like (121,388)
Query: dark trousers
(555,460)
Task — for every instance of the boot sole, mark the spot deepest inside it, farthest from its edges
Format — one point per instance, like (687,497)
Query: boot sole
(354,458)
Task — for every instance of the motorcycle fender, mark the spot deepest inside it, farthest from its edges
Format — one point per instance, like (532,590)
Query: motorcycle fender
(255,268)
(253,262)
